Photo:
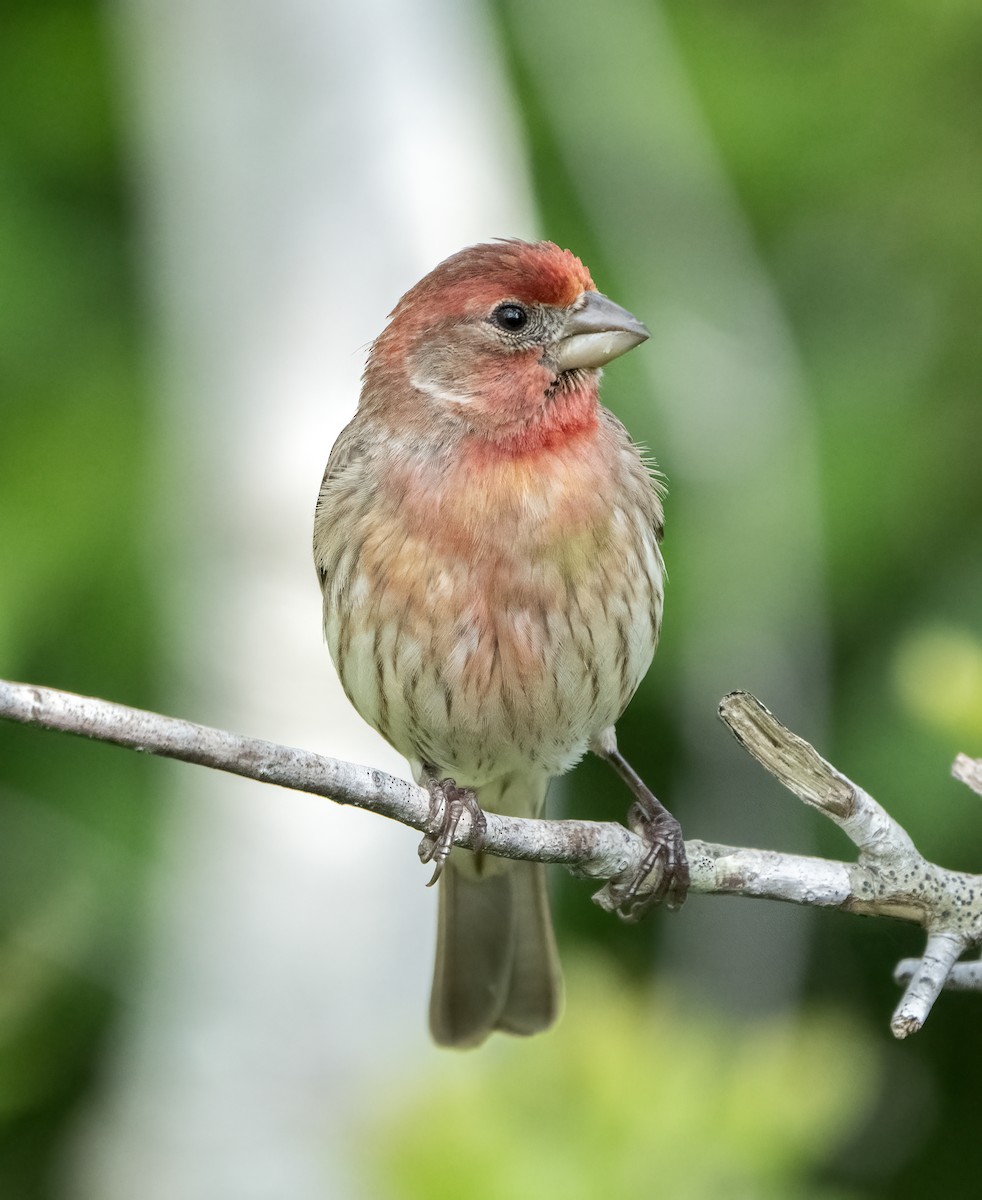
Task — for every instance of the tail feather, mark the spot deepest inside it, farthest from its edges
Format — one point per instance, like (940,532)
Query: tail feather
(535,990)
(496,963)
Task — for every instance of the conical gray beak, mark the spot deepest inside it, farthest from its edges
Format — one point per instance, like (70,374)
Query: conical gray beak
(597,331)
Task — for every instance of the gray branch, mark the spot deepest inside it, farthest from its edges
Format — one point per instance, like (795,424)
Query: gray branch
(889,877)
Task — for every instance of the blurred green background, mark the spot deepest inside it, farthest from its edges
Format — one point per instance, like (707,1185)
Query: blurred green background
(851,140)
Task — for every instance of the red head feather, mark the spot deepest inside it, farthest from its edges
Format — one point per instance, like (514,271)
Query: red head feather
(475,279)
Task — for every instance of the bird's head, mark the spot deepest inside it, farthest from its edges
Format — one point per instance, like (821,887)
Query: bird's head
(495,335)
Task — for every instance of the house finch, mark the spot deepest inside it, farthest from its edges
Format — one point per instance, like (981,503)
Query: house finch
(486,539)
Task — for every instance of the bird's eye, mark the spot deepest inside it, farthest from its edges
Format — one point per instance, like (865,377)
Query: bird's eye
(510,317)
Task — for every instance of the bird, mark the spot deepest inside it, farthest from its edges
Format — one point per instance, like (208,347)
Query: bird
(487,541)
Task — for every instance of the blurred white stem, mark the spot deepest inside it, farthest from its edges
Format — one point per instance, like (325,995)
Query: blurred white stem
(968,771)
(889,878)
(296,166)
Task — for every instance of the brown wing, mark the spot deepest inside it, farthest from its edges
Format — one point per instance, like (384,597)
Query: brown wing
(337,494)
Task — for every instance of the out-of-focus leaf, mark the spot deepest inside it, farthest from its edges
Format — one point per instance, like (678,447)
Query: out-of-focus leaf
(632,1095)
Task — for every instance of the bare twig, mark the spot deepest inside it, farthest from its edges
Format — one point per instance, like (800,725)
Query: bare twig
(595,849)
(929,974)
(889,878)
(963,976)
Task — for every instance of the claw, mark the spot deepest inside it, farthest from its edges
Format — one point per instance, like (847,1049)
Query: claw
(662,834)
(665,853)
(447,805)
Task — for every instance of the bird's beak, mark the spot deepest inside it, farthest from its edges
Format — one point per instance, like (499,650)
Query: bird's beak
(596,331)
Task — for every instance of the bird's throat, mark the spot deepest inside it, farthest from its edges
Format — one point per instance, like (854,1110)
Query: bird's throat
(567,415)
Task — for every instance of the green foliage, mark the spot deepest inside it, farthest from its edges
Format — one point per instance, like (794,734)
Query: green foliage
(76,607)
(633,1095)
(939,677)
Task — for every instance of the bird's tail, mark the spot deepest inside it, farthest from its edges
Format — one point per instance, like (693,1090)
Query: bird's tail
(496,961)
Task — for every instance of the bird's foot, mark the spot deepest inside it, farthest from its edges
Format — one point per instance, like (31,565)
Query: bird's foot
(448,803)
(665,853)
(662,835)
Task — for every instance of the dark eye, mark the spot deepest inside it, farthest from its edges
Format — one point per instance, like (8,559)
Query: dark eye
(510,317)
